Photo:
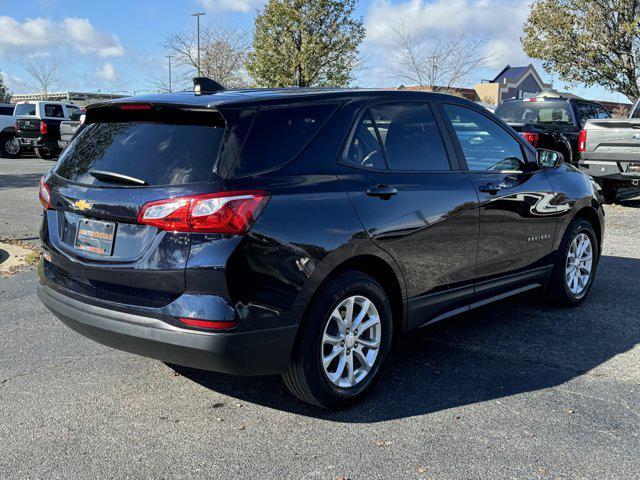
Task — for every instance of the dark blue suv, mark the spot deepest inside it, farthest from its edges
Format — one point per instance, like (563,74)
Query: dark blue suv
(299,231)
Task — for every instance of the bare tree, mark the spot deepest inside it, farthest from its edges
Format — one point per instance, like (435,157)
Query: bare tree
(44,73)
(223,53)
(441,64)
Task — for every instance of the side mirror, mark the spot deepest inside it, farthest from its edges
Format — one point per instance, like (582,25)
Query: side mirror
(549,158)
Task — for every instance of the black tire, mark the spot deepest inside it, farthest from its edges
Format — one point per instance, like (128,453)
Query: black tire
(609,191)
(6,150)
(558,288)
(44,153)
(306,377)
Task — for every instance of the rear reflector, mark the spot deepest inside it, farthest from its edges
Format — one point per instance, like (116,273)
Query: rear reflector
(44,194)
(531,137)
(582,141)
(135,106)
(230,213)
(209,324)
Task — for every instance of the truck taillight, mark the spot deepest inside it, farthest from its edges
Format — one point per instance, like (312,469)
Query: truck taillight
(531,137)
(44,194)
(582,141)
(43,128)
(230,213)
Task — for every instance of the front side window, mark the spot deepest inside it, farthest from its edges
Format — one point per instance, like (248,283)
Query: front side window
(485,144)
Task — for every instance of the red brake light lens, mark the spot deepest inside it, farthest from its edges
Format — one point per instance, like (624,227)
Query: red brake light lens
(43,128)
(531,137)
(582,141)
(230,213)
(209,324)
(134,106)
(44,194)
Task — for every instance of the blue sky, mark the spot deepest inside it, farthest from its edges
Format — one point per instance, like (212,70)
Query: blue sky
(115,45)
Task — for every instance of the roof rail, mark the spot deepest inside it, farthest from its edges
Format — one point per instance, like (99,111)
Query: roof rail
(205,85)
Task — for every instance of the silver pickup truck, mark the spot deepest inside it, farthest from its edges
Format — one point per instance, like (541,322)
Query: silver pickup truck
(610,152)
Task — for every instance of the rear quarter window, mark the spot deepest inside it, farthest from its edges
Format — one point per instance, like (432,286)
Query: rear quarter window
(279,134)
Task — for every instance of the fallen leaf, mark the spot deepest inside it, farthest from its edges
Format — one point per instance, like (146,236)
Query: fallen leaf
(422,470)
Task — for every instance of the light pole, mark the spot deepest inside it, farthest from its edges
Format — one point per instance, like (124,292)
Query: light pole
(198,15)
(169,57)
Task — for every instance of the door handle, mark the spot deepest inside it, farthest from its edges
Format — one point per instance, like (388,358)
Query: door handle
(383,191)
(490,188)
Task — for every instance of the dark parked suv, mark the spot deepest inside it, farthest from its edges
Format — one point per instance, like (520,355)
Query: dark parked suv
(300,231)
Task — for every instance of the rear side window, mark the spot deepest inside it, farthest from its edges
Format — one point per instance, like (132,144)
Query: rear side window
(25,109)
(365,150)
(160,154)
(278,134)
(53,111)
(6,110)
(410,137)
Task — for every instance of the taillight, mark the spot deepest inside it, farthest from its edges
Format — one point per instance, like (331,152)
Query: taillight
(209,324)
(44,194)
(531,137)
(43,128)
(225,212)
(582,141)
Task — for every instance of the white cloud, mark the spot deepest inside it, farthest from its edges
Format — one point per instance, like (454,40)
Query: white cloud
(107,72)
(499,22)
(243,6)
(43,36)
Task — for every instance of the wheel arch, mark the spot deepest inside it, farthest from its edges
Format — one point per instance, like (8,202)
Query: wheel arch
(590,214)
(383,270)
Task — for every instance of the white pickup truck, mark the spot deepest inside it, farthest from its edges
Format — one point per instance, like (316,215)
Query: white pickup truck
(610,152)
(9,146)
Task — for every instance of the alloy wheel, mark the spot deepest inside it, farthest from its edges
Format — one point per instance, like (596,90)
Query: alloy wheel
(579,264)
(351,341)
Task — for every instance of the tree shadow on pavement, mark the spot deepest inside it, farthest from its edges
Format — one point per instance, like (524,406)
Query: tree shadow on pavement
(26,180)
(517,346)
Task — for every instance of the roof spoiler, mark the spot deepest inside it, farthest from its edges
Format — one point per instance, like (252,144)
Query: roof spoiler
(205,85)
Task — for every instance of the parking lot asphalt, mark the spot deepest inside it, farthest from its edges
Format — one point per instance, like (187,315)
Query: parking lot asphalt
(517,390)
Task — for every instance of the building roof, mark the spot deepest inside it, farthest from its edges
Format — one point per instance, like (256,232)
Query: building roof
(511,74)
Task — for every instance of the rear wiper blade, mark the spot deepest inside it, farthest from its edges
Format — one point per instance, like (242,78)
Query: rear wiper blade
(116,177)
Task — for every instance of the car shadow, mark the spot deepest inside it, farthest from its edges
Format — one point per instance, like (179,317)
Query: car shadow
(23,180)
(521,345)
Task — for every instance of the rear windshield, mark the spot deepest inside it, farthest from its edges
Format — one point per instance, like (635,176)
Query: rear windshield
(25,109)
(159,154)
(534,112)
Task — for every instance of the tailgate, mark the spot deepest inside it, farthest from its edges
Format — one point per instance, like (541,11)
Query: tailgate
(612,140)
(28,127)
(68,130)
(101,182)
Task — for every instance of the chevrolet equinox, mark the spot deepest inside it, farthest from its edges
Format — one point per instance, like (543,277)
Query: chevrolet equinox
(299,231)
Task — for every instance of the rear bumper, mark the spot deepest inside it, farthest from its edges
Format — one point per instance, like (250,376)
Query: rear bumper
(256,352)
(614,170)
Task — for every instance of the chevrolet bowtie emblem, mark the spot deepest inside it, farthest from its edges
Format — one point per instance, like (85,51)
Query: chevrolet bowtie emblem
(81,205)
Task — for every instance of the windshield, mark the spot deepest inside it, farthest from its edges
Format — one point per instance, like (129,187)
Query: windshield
(25,109)
(534,112)
(159,154)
